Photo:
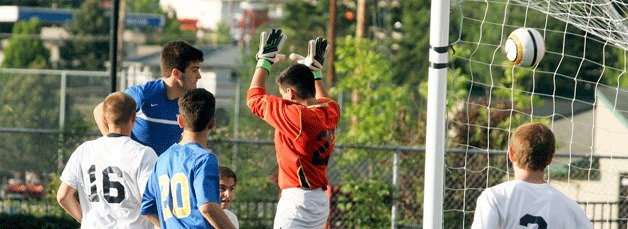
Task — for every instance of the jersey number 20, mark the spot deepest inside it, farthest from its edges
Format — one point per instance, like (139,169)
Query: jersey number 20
(180,189)
(107,184)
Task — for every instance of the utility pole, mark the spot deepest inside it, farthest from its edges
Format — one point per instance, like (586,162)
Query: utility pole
(113,44)
(360,30)
(121,24)
(331,39)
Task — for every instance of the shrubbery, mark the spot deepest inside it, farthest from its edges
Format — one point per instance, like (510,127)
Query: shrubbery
(31,221)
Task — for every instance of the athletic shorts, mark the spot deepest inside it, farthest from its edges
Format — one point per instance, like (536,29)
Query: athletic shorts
(302,208)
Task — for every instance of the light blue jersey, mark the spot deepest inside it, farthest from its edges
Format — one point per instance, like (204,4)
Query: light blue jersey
(156,124)
(185,177)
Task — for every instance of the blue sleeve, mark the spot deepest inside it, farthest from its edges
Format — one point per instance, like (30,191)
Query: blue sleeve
(149,202)
(137,92)
(206,181)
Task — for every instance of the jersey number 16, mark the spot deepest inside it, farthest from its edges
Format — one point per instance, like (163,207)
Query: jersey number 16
(107,185)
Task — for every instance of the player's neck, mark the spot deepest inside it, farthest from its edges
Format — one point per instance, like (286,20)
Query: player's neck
(120,130)
(535,177)
(172,90)
(197,137)
(308,102)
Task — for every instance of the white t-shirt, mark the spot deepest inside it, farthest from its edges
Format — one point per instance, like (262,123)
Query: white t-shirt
(519,204)
(110,174)
(233,218)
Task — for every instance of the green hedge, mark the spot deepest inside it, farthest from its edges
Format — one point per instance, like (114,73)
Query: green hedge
(30,221)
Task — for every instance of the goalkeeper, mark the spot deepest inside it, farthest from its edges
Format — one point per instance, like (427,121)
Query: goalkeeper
(304,119)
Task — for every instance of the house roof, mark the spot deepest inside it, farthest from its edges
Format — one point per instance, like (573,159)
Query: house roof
(617,98)
(221,56)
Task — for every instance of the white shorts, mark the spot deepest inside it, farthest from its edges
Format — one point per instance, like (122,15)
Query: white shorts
(301,208)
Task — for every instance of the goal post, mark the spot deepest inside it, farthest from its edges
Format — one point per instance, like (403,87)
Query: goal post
(476,97)
(436,113)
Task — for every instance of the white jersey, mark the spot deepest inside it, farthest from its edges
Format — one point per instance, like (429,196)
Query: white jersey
(233,218)
(110,174)
(519,204)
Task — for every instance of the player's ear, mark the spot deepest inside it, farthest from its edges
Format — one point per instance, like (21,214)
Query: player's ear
(133,116)
(511,154)
(104,120)
(292,93)
(211,123)
(175,73)
(180,122)
(549,161)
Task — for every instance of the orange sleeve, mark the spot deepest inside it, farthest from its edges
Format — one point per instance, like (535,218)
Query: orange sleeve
(282,115)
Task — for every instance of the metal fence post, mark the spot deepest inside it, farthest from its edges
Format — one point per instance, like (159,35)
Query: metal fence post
(395,190)
(236,124)
(62,97)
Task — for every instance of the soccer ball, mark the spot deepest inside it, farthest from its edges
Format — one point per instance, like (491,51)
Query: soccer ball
(525,47)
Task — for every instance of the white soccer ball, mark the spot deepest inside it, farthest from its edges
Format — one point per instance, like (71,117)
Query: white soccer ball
(525,47)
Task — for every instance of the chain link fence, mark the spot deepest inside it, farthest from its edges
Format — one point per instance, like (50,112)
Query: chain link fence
(45,115)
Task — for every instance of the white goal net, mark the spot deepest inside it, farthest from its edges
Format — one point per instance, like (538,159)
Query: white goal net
(579,89)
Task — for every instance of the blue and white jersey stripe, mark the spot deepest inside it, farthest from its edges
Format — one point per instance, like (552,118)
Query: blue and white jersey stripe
(156,124)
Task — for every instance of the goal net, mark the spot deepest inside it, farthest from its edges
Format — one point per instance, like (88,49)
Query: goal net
(579,89)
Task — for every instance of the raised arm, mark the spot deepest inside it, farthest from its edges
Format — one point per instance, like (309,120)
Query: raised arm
(268,54)
(316,52)
(321,91)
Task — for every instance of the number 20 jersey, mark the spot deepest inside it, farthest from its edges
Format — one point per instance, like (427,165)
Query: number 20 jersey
(304,137)
(110,174)
(185,177)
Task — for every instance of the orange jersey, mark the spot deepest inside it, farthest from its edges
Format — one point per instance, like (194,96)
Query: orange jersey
(304,137)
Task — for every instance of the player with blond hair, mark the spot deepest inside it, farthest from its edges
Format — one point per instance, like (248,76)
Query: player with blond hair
(110,173)
(528,201)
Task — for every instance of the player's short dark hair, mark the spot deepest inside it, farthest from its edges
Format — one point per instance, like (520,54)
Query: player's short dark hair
(300,78)
(196,109)
(533,145)
(119,108)
(226,173)
(178,54)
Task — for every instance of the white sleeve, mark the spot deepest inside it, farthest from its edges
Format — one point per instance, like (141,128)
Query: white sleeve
(72,174)
(146,168)
(233,218)
(486,214)
(581,217)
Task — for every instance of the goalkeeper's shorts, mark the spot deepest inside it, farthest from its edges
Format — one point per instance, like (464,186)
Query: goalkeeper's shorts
(302,208)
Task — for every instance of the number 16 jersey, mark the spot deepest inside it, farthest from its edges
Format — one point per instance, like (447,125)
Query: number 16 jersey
(110,174)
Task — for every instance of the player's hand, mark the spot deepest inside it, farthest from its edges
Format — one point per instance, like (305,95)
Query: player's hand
(316,53)
(269,46)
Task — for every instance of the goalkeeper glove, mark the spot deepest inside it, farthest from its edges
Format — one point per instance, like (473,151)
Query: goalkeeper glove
(316,52)
(269,46)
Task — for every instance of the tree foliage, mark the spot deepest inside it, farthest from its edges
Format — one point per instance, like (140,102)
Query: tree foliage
(26,49)
(89,47)
(32,102)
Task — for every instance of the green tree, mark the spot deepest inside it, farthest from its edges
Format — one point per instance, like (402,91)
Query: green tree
(32,102)
(26,49)
(381,115)
(88,49)
(28,101)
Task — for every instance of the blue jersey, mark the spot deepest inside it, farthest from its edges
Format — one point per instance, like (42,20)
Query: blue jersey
(185,177)
(156,124)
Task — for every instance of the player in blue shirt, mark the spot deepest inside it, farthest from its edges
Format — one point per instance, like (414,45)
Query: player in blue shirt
(156,125)
(183,190)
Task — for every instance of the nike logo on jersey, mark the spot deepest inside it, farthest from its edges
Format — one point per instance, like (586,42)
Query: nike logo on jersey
(153,104)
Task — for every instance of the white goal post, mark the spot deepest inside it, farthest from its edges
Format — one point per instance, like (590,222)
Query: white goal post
(476,98)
